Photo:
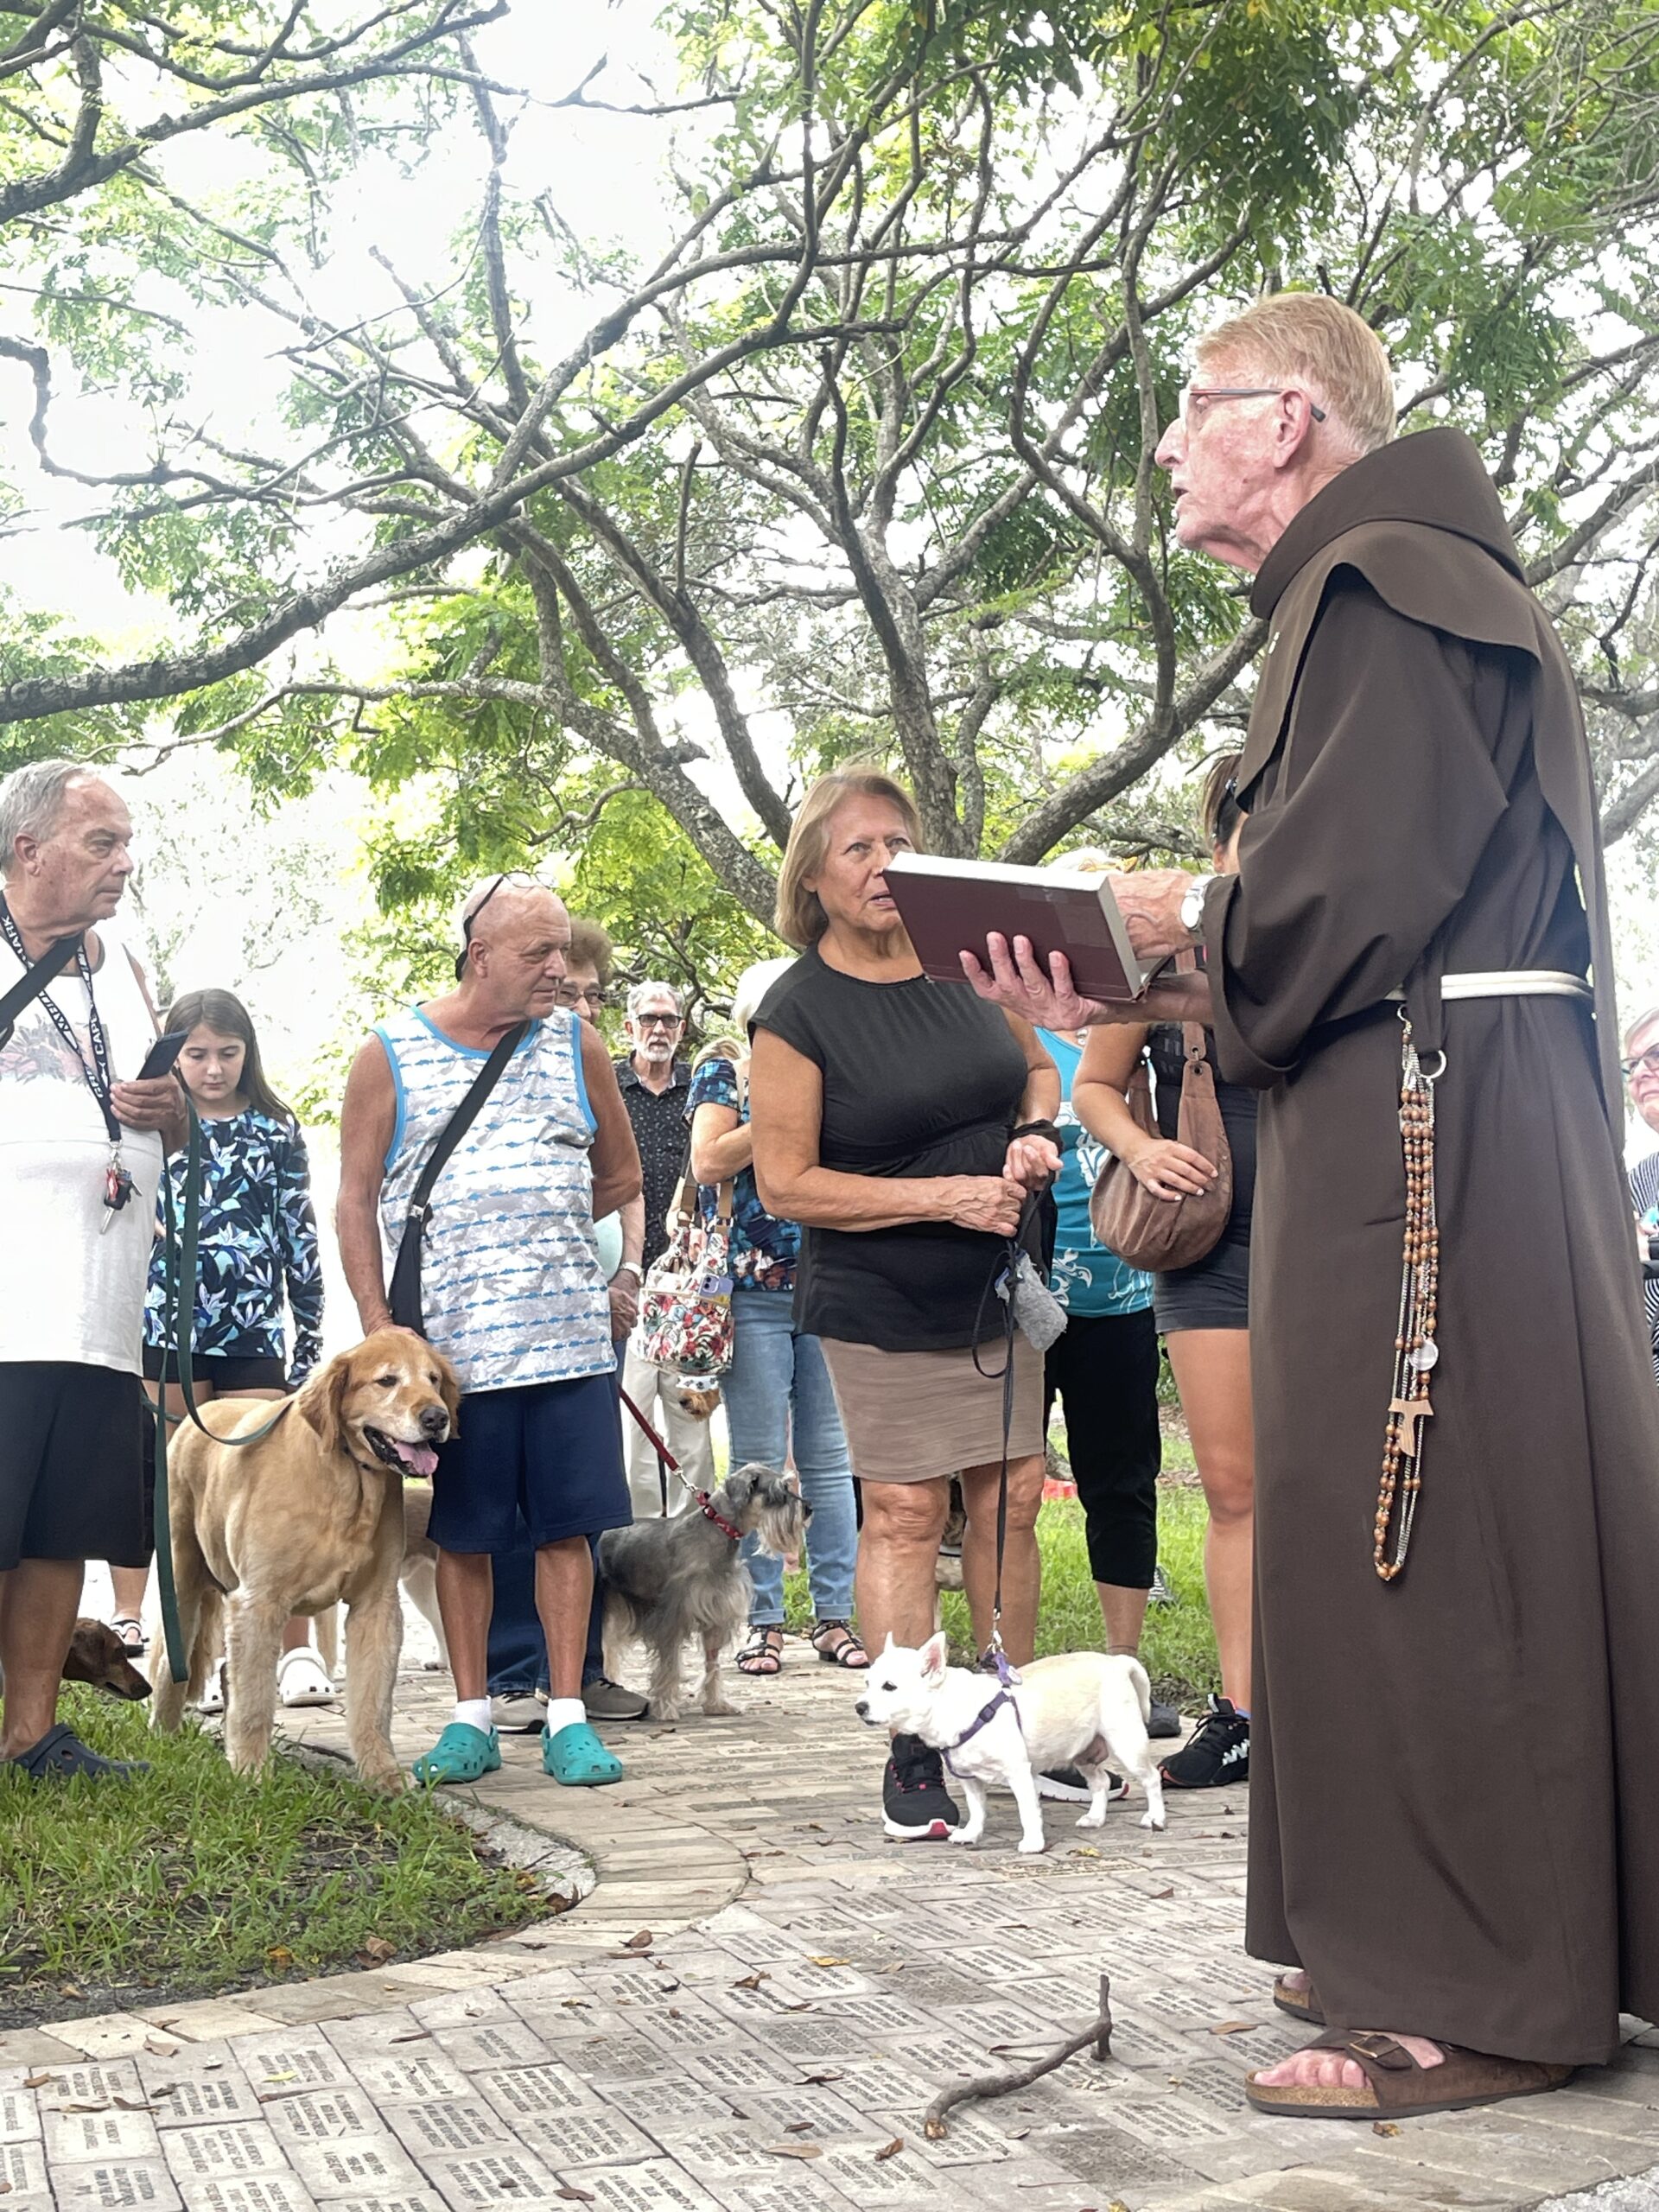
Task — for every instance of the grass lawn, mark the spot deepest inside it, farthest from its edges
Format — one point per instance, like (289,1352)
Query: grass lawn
(1178,1649)
(192,1879)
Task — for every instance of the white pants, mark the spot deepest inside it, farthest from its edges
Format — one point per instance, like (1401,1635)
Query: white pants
(690,1441)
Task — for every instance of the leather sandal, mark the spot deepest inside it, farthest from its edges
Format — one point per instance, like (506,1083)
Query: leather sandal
(764,1652)
(1398,2087)
(130,1631)
(837,1646)
(1301,2004)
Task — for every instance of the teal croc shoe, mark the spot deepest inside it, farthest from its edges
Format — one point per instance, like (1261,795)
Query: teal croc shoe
(460,1754)
(577,1758)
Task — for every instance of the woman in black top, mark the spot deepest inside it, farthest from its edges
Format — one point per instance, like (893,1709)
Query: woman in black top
(1204,1314)
(885,1111)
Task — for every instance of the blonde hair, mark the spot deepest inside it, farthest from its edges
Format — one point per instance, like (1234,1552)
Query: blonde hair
(799,919)
(1310,340)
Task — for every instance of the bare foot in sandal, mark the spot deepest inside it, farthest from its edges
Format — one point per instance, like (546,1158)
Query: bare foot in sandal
(835,1643)
(764,1652)
(1329,2069)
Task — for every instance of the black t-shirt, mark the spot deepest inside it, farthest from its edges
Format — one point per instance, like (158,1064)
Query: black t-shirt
(919,1078)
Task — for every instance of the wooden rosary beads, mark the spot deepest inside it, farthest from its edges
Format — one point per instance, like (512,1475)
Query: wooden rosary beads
(1415,1350)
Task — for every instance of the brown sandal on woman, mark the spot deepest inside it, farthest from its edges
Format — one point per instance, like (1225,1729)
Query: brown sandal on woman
(846,1652)
(1398,2087)
(1301,2004)
(764,1652)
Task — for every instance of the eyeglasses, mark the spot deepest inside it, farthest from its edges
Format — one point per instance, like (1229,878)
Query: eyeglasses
(1645,1064)
(656,1020)
(1197,396)
(583,994)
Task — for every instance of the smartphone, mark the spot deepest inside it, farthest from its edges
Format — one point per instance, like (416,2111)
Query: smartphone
(162,1054)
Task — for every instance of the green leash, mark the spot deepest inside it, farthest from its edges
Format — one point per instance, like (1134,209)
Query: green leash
(183,1268)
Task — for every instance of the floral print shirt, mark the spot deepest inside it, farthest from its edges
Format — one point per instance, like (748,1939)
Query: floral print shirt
(764,1248)
(257,1236)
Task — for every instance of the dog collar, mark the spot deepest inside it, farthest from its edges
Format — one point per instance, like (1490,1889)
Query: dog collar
(706,1507)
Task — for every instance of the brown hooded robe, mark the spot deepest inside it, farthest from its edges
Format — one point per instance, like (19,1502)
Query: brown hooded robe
(1454,1819)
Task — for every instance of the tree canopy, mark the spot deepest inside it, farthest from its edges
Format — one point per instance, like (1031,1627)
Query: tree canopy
(855,458)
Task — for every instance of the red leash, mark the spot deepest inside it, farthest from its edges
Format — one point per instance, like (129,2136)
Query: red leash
(705,1504)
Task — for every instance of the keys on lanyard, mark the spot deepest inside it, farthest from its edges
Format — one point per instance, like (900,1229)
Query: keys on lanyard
(117,1190)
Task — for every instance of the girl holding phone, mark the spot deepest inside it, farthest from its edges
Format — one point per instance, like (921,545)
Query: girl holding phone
(257,1239)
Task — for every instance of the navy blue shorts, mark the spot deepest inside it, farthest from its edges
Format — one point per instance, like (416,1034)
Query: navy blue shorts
(550,1451)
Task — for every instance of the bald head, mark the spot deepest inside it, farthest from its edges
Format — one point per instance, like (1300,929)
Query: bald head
(517,933)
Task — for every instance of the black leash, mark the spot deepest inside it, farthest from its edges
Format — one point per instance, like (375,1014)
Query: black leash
(1004,1273)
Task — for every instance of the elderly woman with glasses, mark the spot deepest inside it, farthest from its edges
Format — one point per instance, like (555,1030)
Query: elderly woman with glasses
(905,1124)
(1641,1066)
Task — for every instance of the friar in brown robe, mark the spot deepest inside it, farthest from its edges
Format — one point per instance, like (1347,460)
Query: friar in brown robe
(1454,1801)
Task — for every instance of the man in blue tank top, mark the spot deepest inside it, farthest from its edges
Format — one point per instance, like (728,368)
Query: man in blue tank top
(512,1293)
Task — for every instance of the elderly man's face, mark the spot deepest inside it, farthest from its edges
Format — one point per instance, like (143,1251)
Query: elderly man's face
(523,934)
(75,875)
(1642,1058)
(1222,455)
(655,1029)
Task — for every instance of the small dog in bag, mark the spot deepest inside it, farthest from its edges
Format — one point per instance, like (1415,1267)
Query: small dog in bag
(669,1580)
(1076,1710)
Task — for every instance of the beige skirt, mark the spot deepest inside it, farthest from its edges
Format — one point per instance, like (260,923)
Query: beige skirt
(912,1416)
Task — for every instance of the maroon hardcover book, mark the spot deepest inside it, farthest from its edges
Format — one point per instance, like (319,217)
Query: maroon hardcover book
(950,906)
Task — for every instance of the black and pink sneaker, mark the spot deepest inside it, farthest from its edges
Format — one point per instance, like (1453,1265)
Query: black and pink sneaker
(915,1807)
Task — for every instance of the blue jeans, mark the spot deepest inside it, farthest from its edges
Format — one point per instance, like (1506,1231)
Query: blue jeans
(777,1391)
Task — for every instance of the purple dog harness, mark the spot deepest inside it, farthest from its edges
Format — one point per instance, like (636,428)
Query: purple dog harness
(987,1713)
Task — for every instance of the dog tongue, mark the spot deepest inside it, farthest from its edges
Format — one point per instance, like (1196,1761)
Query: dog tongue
(419,1459)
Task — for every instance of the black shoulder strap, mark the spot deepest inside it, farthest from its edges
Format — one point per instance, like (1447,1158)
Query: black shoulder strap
(463,1117)
(32,981)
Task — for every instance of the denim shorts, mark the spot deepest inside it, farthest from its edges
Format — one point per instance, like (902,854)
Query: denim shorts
(550,1451)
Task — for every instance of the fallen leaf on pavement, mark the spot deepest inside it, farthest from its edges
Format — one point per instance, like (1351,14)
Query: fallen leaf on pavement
(158,2047)
(575,2196)
(793,2149)
(831,1962)
(410,2035)
(1232,2027)
(39,2081)
(377,1950)
(1158,1895)
(1384,2128)
(892,2149)
(798,2127)
(829,2074)
(1083,1851)
(639,1942)
(102,2104)
(752,1980)
(135,2104)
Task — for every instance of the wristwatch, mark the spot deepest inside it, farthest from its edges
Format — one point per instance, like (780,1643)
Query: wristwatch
(631,1268)
(1192,906)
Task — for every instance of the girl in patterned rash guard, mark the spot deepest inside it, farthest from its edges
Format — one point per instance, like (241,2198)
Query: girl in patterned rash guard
(257,1239)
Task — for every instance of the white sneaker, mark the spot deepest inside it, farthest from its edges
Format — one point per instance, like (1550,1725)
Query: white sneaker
(525,1714)
(212,1695)
(300,1679)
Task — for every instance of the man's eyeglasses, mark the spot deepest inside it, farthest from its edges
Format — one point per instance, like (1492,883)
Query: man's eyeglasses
(469,922)
(656,1020)
(1645,1064)
(1198,396)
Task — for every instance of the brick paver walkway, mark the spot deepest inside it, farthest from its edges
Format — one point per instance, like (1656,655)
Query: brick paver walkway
(752,2009)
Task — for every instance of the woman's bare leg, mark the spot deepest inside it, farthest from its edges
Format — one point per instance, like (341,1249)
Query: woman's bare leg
(898,1547)
(1213,1373)
(1022,1570)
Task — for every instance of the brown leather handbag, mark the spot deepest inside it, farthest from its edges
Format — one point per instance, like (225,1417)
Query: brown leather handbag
(1160,1234)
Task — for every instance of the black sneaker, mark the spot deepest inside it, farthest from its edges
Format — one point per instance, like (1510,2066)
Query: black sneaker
(1065,1785)
(1216,1755)
(1163,1719)
(915,1807)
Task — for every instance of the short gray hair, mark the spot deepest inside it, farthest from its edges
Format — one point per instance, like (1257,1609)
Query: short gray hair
(640,992)
(1642,1021)
(31,799)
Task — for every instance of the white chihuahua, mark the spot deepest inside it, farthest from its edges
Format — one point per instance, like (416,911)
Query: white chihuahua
(1076,1711)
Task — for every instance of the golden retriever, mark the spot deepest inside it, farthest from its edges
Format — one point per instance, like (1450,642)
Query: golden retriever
(311,1516)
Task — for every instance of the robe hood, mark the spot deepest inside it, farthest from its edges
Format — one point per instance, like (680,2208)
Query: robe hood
(1433,480)
(1420,520)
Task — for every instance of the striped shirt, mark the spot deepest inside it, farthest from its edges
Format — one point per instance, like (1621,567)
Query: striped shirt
(512,1289)
(1644,1196)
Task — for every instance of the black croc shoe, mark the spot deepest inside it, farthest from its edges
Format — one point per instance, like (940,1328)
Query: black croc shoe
(915,1807)
(1216,1755)
(60,1756)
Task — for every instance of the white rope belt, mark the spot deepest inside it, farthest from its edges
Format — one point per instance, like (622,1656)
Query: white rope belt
(1509,983)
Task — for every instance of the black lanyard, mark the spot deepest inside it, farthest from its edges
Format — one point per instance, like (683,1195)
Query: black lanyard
(98,1076)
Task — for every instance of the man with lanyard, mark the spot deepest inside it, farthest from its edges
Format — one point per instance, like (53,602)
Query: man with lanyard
(80,1158)
(654,1081)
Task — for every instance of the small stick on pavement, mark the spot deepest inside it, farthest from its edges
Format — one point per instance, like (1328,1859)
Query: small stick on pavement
(1098,2032)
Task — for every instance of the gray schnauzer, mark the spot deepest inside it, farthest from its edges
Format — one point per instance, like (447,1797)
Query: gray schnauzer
(671,1579)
